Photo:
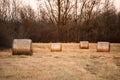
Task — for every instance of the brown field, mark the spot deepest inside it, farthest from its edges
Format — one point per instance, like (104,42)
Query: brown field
(70,64)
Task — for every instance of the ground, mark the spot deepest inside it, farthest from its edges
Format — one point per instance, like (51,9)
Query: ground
(70,64)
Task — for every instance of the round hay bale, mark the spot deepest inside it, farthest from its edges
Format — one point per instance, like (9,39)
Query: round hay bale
(22,47)
(84,44)
(56,47)
(103,47)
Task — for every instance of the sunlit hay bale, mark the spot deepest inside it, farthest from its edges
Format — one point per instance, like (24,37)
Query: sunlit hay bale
(84,44)
(22,47)
(103,47)
(56,47)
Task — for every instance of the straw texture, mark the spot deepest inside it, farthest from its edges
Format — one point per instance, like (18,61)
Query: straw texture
(22,47)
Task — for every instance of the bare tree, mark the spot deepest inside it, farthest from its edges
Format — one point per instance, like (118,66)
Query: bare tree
(5,9)
(59,12)
(15,13)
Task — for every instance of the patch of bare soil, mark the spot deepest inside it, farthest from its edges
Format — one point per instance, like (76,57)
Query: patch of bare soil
(70,64)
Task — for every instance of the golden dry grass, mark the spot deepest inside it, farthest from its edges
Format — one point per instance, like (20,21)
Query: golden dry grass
(70,64)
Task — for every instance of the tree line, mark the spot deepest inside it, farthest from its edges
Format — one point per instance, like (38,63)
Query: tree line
(59,21)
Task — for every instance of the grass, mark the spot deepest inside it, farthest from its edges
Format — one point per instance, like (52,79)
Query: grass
(70,64)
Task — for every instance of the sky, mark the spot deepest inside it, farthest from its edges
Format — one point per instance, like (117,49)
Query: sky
(117,4)
(33,3)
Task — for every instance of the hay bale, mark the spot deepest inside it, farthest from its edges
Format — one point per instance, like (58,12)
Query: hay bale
(56,47)
(103,47)
(84,44)
(22,47)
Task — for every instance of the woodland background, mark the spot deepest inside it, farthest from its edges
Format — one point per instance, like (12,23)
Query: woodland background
(59,21)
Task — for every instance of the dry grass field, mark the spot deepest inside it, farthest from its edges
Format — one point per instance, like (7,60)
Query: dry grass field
(70,64)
